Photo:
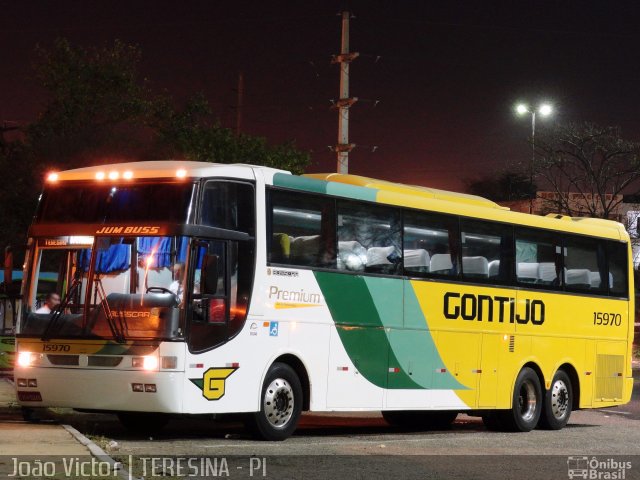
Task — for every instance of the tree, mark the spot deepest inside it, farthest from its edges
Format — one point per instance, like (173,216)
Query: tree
(194,133)
(510,185)
(100,108)
(588,167)
(97,104)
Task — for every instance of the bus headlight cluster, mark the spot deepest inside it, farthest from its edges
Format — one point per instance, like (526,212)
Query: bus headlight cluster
(26,359)
(148,362)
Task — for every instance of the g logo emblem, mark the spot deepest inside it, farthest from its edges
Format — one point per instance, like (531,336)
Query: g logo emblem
(214,382)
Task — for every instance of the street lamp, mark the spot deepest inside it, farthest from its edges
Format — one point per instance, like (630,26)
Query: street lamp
(545,110)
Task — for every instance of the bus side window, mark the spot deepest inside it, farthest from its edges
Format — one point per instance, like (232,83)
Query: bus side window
(430,244)
(617,262)
(486,251)
(221,279)
(302,230)
(369,238)
(229,205)
(538,258)
(585,265)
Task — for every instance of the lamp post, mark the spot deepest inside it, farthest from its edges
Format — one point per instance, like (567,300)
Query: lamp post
(545,110)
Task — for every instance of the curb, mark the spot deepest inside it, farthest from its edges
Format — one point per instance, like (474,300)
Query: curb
(99,453)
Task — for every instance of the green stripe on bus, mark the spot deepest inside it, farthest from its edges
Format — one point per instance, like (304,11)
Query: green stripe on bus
(361,330)
(299,183)
(321,186)
(352,191)
(420,342)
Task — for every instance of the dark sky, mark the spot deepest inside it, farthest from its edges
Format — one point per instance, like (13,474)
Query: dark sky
(447,78)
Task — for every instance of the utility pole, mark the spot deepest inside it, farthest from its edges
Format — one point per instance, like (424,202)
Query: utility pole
(239,104)
(343,147)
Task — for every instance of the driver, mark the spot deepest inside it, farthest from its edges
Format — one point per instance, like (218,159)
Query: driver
(51,301)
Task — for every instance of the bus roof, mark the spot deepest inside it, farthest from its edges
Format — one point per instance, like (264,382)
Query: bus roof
(158,169)
(357,187)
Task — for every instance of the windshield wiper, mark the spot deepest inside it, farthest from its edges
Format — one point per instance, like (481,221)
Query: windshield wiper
(117,328)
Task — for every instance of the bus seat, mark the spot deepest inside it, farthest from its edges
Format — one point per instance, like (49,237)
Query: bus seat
(595,280)
(579,277)
(351,255)
(379,256)
(280,247)
(305,249)
(441,263)
(475,267)
(547,272)
(527,272)
(494,268)
(417,260)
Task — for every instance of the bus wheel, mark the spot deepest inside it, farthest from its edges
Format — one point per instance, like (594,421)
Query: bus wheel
(527,403)
(143,423)
(557,402)
(280,404)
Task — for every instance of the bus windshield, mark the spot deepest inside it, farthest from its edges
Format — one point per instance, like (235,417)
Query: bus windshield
(121,288)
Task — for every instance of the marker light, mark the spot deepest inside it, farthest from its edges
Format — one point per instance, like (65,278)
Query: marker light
(25,359)
(100,176)
(150,362)
(113,175)
(52,177)
(181,173)
(128,175)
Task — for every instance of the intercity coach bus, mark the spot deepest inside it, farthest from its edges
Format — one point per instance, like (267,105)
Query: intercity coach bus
(200,288)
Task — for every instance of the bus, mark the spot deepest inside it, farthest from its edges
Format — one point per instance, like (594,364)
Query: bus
(198,288)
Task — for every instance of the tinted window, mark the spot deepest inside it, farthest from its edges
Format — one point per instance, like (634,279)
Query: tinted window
(585,266)
(538,259)
(369,238)
(302,230)
(228,205)
(80,203)
(486,251)
(430,244)
(617,256)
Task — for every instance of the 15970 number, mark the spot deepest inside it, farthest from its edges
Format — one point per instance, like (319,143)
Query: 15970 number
(603,318)
(55,347)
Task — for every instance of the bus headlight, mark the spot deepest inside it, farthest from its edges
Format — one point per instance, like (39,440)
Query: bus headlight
(148,362)
(25,359)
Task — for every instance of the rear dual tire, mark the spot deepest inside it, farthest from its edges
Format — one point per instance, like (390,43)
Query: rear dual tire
(530,408)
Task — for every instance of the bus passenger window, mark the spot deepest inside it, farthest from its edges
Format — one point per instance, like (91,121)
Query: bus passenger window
(538,259)
(486,251)
(369,238)
(617,262)
(302,230)
(585,267)
(430,244)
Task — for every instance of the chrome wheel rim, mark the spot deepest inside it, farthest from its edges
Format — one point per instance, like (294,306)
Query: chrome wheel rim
(278,403)
(559,399)
(527,401)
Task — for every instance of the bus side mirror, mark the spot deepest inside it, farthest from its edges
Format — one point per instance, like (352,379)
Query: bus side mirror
(8,266)
(210,275)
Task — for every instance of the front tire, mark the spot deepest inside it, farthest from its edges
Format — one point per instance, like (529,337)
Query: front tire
(557,402)
(280,404)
